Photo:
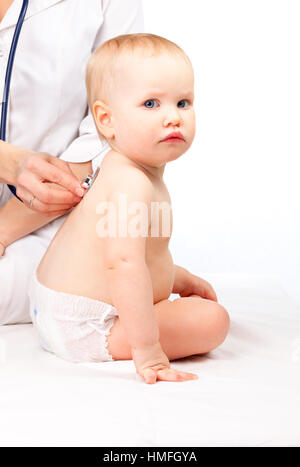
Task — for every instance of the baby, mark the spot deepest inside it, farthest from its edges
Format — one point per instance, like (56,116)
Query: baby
(101,290)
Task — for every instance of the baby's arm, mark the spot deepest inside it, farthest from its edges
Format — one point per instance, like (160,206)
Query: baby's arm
(17,220)
(130,284)
(129,280)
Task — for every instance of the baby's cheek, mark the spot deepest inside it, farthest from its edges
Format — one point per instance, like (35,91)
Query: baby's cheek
(193,125)
(140,140)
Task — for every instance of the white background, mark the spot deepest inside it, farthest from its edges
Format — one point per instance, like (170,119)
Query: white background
(235,193)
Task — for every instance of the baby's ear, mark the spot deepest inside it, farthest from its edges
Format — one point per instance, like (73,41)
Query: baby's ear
(103,119)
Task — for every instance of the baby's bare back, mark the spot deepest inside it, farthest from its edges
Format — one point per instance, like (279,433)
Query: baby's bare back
(74,261)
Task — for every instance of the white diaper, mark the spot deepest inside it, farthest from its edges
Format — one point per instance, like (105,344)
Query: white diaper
(72,327)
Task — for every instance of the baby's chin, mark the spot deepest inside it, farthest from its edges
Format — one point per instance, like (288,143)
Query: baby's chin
(163,157)
(157,163)
(150,158)
(170,157)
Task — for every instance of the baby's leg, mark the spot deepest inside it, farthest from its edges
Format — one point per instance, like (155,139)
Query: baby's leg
(187,326)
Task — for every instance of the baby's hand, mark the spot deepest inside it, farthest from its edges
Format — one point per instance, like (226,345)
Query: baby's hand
(153,365)
(199,287)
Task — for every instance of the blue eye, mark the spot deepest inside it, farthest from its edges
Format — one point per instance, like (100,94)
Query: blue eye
(182,106)
(149,103)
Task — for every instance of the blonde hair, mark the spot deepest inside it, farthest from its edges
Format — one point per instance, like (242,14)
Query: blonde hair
(102,64)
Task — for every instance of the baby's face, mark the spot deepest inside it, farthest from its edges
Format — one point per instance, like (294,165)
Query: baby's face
(152,98)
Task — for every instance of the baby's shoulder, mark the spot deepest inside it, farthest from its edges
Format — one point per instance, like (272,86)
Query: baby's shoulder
(120,175)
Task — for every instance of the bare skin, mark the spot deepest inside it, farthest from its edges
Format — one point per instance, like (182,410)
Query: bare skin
(74,264)
(136,274)
(75,244)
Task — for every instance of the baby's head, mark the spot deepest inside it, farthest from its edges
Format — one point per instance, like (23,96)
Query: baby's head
(140,90)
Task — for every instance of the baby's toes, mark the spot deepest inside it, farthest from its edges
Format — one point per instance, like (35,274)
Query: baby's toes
(149,376)
(188,376)
(169,374)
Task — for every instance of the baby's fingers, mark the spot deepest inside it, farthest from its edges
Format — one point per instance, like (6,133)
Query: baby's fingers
(170,374)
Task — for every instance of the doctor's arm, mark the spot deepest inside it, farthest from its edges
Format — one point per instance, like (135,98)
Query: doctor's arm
(9,160)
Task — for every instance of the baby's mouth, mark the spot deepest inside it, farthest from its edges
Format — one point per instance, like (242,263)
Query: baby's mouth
(174,137)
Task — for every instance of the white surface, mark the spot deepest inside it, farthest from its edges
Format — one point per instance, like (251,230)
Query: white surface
(242,172)
(248,392)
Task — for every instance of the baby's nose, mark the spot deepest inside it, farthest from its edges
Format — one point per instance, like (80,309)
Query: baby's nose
(173,117)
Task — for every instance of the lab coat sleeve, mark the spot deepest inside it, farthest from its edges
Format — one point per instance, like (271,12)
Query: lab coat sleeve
(120,17)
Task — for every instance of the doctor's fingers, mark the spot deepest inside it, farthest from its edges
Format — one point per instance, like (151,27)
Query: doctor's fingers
(43,210)
(48,168)
(39,206)
(46,192)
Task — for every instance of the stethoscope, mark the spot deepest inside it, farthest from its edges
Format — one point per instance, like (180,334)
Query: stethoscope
(8,73)
(89,179)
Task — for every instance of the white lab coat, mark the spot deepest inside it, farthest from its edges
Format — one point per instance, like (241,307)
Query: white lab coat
(48,106)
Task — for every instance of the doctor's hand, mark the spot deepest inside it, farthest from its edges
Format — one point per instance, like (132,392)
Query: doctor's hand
(50,181)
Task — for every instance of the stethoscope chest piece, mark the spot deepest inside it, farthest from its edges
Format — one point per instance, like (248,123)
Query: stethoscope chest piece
(89,179)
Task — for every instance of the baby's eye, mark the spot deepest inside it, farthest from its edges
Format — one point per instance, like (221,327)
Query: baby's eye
(149,103)
(182,102)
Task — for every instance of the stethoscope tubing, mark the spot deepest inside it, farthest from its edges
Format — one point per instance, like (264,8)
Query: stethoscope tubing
(8,74)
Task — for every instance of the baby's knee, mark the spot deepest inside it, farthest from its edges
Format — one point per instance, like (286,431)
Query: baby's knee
(207,321)
(212,323)
(220,323)
(224,317)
